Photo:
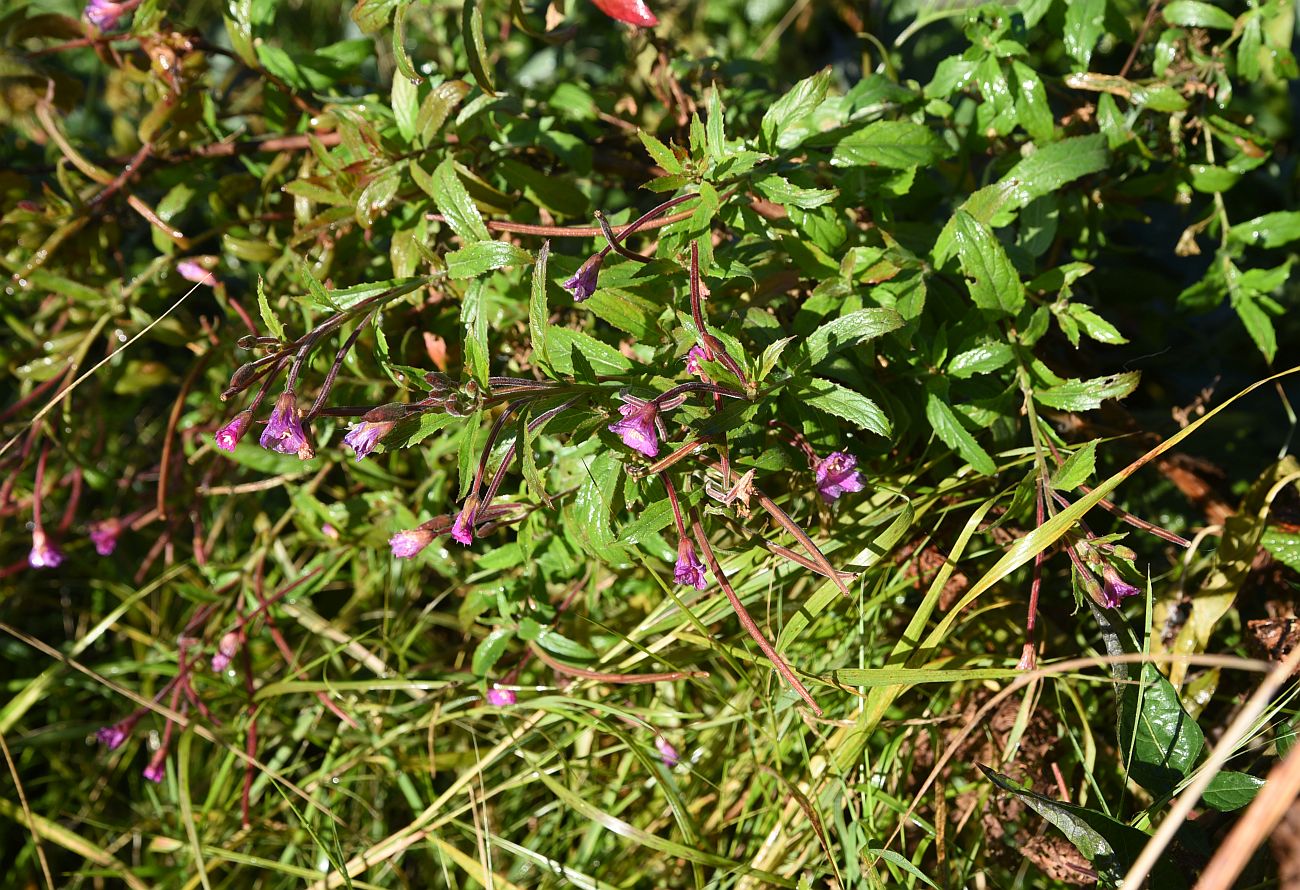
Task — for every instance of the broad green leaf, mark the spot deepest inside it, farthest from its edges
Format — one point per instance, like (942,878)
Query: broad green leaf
(272,321)
(845,404)
(562,645)
(471,32)
(778,129)
(1084,25)
(850,330)
(1283,546)
(894,144)
(1031,104)
(452,200)
(783,192)
(1086,395)
(405,97)
(414,430)
(662,154)
(1195,14)
(994,283)
(1159,740)
(590,513)
(1258,324)
(484,256)
(1230,790)
(950,431)
(983,359)
(1110,845)
(1270,230)
(490,650)
(563,343)
(1077,469)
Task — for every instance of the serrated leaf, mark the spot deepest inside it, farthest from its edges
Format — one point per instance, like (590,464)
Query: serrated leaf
(943,420)
(1269,230)
(452,200)
(471,33)
(994,283)
(1077,469)
(1086,395)
(1230,790)
(1084,25)
(473,317)
(825,395)
(1159,740)
(782,191)
(600,357)
(1258,325)
(539,312)
(405,97)
(414,430)
(269,318)
(778,129)
(894,144)
(488,652)
(982,359)
(850,330)
(484,256)
(662,154)
(590,514)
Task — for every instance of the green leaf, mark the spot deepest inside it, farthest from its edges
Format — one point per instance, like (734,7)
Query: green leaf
(435,108)
(850,330)
(405,97)
(783,192)
(488,652)
(662,154)
(373,15)
(1258,324)
(1208,178)
(562,645)
(1095,326)
(845,404)
(1159,740)
(982,359)
(1084,25)
(484,256)
(539,312)
(993,282)
(778,129)
(1110,846)
(1086,395)
(272,321)
(894,144)
(414,430)
(471,32)
(1231,790)
(1269,230)
(452,200)
(590,514)
(473,317)
(1195,14)
(1077,469)
(1282,546)
(950,431)
(1031,104)
(600,357)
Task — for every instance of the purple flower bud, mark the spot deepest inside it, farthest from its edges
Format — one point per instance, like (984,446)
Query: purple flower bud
(364,436)
(666,751)
(229,435)
(227,646)
(284,432)
(190,270)
(112,737)
(1116,588)
(154,772)
(583,283)
(837,474)
(693,359)
(407,543)
(638,427)
(106,15)
(44,555)
(689,570)
(462,530)
(104,535)
(500,698)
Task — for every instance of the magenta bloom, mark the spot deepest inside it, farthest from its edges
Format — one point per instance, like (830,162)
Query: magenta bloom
(689,571)
(112,737)
(192,271)
(227,646)
(638,426)
(1116,589)
(462,530)
(836,474)
(284,432)
(500,698)
(666,751)
(154,772)
(693,359)
(583,283)
(43,555)
(105,15)
(229,435)
(406,544)
(364,436)
(104,536)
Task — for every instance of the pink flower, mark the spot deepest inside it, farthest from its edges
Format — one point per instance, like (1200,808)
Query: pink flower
(634,12)
(364,436)
(462,530)
(43,555)
(284,432)
(227,646)
(583,283)
(406,544)
(104,535)
(229,435)
(498,697)
(837,474)
(112,737)
(638,426)
(1116,589)
(689,570)
(155,771)
(105,15)
(666,751)
(693,359)
(190,270)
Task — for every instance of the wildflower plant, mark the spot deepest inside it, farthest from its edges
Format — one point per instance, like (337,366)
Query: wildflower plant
(471,398)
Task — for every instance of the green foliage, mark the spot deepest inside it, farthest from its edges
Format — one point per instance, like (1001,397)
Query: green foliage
(911,292)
